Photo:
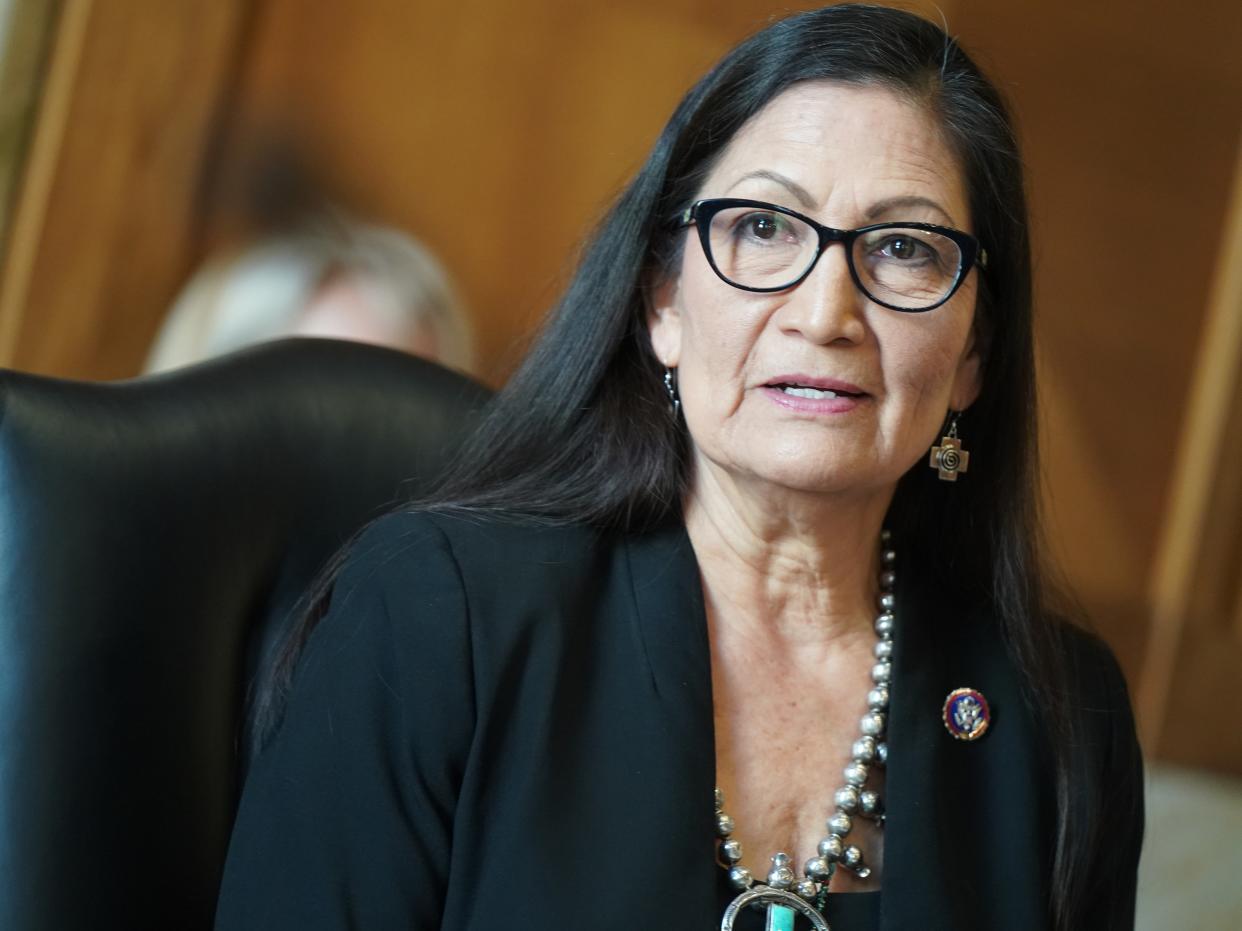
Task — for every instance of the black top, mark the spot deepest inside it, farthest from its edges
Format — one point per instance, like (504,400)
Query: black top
(506,726)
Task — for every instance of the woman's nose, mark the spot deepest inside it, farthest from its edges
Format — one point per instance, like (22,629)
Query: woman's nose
(826,306)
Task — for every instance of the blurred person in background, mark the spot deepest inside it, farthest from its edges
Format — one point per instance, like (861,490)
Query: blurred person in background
(331,276)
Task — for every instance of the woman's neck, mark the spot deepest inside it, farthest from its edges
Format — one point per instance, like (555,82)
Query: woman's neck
(792,571)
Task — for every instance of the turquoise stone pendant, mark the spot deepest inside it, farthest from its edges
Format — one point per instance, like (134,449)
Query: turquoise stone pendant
(780,918)
(783,907)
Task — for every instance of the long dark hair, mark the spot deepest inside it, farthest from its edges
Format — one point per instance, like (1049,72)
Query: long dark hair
(581,432)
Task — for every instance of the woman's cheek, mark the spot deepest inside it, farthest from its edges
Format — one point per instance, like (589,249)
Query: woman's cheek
(928,366)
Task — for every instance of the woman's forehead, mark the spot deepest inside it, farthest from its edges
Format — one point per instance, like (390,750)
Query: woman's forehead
(837,146)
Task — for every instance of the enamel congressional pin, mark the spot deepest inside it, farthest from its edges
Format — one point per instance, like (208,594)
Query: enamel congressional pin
(966,714)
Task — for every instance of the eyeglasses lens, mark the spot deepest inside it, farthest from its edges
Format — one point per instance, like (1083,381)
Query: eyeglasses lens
(900,266)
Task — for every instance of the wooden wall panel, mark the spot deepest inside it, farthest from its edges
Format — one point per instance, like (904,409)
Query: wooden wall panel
(104,230)
(1189,698)
(1130,119)
(495,132)
(26,31)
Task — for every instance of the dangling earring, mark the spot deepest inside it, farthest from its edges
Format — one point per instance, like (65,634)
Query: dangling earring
(949,458)
(670,385)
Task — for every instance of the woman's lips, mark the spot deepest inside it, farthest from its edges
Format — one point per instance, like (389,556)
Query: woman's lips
(814,395)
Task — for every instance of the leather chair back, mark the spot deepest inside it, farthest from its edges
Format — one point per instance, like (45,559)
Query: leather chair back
(155,536)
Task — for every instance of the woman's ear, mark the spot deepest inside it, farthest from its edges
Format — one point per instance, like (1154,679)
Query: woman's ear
(664,322)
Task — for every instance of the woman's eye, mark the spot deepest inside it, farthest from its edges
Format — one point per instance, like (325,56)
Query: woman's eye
(765,226)
(904,248)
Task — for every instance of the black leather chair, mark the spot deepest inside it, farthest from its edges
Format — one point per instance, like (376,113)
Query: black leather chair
(155,535)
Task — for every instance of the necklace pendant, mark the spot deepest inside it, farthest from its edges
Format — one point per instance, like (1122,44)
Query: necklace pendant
(783,907)
(780,918)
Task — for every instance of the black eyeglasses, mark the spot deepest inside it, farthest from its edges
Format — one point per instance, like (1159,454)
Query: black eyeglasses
(755,246)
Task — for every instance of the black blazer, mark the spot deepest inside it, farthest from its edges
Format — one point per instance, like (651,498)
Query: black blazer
(500,726)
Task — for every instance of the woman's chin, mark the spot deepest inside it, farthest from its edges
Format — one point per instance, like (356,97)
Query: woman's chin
(839,480)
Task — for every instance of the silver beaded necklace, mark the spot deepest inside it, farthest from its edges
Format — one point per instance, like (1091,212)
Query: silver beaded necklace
(783,894)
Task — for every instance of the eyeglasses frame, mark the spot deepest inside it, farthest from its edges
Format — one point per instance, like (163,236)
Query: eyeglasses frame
(701,212)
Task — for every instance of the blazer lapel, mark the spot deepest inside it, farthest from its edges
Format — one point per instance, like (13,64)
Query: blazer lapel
(671,630)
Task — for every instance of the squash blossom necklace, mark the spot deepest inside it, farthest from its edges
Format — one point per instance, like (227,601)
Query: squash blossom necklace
(783,894)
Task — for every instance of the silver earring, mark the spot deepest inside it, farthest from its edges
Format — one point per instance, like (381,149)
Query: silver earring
(670,385)
(949,458)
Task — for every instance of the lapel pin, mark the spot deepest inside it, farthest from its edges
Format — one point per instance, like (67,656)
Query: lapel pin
(966,714)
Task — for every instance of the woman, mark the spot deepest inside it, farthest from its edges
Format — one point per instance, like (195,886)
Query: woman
(698,546)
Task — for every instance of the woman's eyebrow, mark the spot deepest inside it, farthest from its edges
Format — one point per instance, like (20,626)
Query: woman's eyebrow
(794,188)
(888,205)
(876,210)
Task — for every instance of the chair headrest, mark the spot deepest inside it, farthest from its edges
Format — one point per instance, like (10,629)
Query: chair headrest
(150,530)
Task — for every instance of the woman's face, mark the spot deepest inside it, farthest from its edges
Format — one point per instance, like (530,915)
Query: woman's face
(848,157)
